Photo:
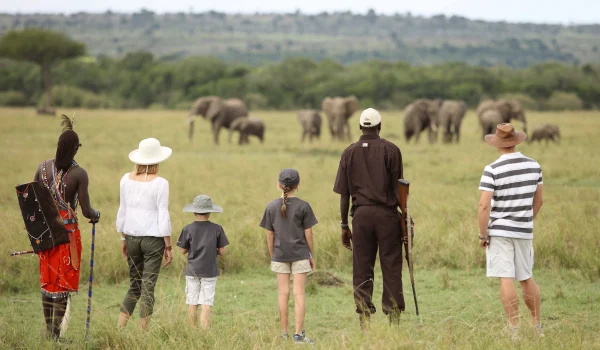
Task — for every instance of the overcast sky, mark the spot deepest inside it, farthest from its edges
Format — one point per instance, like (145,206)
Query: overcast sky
(554,11)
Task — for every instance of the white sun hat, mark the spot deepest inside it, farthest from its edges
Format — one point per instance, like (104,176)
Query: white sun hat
(369,118)
(150,152)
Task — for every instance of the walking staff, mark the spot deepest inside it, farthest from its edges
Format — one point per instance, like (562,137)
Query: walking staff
(91,283)
(368,173)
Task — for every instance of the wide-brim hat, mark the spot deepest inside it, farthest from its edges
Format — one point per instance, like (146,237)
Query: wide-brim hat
(202,204)
(505,136)
(150,152)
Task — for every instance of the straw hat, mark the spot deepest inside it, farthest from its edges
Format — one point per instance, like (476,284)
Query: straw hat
(505,136)
(150,152)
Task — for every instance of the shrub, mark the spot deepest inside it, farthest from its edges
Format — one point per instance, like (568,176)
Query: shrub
(563,101)
(526,101)
(256,101)
(13,99)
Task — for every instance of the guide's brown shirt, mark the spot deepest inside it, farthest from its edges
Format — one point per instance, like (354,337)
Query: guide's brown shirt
(369,171)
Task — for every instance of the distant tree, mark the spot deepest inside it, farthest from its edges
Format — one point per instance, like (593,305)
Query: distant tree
(42,47)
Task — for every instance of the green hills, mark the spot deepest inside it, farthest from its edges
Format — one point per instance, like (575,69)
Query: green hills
(346,37)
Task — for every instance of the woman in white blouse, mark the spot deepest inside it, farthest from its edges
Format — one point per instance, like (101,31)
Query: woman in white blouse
(145,226)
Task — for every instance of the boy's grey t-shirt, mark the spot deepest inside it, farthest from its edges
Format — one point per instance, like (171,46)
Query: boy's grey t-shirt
(290,242)
(202,239)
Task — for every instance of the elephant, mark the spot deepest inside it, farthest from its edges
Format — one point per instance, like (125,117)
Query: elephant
(221,113)
(420,115)
(451,116)
(545,132)
(247,126)
(338,110)
(507,109)
(310,121)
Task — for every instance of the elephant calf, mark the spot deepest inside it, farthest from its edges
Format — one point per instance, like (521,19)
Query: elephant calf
(310,121)
(247,126)
(545,132)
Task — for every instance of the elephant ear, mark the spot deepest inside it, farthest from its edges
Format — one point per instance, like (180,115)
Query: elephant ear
(352,105)
(215,108)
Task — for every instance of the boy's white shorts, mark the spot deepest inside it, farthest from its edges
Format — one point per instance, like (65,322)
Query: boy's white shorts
(510,258)
(200,290)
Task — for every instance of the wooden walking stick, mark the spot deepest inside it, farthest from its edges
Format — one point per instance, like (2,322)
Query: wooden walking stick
(91,280)
(403,188)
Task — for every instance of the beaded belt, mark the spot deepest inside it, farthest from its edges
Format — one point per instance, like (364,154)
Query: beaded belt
(70,221)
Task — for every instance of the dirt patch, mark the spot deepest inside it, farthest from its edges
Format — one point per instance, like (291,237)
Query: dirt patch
(324,278)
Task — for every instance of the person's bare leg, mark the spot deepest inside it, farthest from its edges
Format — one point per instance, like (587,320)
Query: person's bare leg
(47,310)
(205,317)
(283,297)
(123,318)
(510,300)
(299,304)
(145,322)
(531,296)
(193,315)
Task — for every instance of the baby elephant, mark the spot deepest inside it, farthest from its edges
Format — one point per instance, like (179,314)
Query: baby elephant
(247,126)
(310,121)
(545,132)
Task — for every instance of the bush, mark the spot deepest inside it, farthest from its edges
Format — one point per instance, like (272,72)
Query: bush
(13,99)
(256,101)
(563,101)
(526,101)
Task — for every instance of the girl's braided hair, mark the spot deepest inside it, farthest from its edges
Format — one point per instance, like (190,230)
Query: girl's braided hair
(286,190)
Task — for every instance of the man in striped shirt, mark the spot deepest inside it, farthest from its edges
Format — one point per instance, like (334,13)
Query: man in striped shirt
(511,196)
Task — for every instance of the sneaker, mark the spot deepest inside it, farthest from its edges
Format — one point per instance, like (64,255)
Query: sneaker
(302,339)
(511,332)
(540,330)
(284,336)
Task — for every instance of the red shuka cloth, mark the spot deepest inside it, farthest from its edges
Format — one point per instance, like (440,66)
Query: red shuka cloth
(58,276)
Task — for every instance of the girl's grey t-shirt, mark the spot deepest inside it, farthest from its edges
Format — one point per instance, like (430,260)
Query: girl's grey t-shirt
(202,239)
(290,242)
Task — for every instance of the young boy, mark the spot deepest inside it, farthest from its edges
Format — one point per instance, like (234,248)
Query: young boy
(203,241)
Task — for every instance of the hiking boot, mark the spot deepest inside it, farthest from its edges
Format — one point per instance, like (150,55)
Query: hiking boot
(512,332)
(540,330)
(284,336)
(302,339)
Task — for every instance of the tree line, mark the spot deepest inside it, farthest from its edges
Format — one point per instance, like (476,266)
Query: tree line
(140,80)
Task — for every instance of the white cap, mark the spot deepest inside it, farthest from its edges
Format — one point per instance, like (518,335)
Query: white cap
(369,118)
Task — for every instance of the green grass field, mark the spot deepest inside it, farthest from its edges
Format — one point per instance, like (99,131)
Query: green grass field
(460,307)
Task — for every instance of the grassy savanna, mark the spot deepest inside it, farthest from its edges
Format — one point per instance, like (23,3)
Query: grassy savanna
(460,307)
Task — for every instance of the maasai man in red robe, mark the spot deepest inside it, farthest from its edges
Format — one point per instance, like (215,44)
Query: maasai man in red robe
(60,266)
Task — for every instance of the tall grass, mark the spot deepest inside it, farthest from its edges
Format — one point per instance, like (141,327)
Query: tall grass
(242,179)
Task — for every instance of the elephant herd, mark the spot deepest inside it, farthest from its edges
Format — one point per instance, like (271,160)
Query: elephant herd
(431,115)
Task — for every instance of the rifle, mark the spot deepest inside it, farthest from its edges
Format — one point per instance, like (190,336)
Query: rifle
(408,233)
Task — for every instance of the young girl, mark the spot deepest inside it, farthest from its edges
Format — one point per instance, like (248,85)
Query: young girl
(289,221)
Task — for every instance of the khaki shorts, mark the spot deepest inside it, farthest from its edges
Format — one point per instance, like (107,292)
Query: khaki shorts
(510,258)
(200,290)
(293,267)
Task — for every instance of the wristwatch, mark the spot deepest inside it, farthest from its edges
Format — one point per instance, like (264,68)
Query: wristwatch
(483,237)
(344,225)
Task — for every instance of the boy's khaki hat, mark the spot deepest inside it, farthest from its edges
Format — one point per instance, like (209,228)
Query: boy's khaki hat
(202,204)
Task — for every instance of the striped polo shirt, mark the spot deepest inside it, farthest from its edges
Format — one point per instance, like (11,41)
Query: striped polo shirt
(513,178)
